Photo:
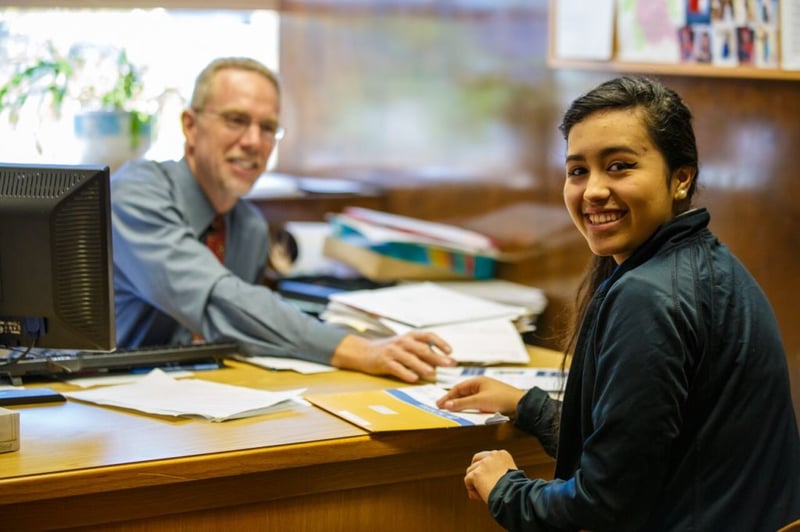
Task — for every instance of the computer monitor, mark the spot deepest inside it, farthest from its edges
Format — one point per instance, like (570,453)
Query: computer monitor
(56,273)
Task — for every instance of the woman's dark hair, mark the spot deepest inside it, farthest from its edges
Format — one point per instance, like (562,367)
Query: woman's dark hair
(669,124)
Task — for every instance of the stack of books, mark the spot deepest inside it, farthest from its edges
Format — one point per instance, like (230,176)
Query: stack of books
(383,246)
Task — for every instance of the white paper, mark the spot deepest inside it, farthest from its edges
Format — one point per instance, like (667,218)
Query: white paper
(425,397)
(425,305)
(481,342)
(648,31)
(502,291)
(280,363)
(790,34)
(584,29)
(120,378)
(159,393)
(361,322)
(548,379)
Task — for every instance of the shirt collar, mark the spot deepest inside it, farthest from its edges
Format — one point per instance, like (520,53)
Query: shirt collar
(198,210)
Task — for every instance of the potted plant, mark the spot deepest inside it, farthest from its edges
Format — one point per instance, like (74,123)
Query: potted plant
(104,88)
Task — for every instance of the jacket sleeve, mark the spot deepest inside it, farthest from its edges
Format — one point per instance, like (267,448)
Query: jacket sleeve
(633,384)
(537,414)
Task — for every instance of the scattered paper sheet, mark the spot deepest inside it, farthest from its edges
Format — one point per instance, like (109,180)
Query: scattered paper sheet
(159,393)
(126,378)
(548,379)
(481,342)
(293,364)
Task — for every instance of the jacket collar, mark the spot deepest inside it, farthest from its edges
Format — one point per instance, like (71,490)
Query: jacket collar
(667,236)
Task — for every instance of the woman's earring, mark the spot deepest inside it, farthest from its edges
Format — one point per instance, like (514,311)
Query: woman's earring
(680,194)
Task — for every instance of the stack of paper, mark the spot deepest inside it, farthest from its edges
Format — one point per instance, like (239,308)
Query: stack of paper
(480,331)
(500,291)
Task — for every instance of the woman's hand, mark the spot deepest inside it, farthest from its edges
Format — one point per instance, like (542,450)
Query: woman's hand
(485,470)
(484,394)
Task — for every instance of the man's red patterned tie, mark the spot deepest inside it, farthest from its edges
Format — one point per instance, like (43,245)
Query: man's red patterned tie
(215,238)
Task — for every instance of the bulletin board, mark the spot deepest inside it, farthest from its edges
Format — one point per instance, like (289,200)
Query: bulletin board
(715,38)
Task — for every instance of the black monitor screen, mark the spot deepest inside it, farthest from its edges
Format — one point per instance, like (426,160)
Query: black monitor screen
(56,286)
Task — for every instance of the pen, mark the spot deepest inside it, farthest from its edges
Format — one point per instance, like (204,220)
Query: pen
(435,349)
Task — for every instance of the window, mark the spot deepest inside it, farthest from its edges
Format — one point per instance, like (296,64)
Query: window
(170,47)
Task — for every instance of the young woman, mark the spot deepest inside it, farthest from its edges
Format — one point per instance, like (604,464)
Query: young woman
(677,412)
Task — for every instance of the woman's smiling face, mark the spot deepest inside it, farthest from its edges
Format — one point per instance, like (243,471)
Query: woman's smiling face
(616,188)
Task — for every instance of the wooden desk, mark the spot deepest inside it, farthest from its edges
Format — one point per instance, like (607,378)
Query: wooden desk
(81,465)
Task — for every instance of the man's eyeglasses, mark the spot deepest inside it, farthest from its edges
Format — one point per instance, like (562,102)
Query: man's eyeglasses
(240,122)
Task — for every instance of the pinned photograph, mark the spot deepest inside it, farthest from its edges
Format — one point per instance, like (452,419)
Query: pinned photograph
(767,12)
(686,43)
(766,47)
(745,45)
(702,44)
(698,11)
(724,46)
(723,11)
(751,11)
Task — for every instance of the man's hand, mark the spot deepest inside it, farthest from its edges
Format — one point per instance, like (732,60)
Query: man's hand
(410,357)
(485,470)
